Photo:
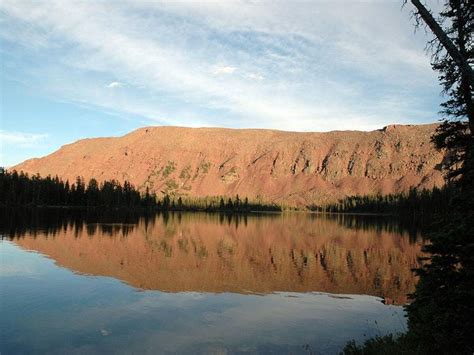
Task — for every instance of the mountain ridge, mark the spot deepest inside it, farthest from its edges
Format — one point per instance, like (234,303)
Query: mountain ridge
(295,168)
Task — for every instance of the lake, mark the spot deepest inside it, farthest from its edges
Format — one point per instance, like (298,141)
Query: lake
(200,283)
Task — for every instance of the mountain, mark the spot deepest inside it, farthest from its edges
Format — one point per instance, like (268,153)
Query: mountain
(295,168)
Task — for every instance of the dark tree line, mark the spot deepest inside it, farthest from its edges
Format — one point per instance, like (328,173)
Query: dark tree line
(216,203)
(19,189)
(415,202)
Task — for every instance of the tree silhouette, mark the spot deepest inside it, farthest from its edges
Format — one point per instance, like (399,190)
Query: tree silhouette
(441,314)
(452,57)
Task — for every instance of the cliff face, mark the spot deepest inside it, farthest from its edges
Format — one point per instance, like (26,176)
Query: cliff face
(284,167)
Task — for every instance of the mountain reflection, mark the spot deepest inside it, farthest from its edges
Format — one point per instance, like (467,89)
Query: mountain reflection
(218,253)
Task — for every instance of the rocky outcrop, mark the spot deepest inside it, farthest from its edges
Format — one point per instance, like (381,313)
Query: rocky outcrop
(295,168)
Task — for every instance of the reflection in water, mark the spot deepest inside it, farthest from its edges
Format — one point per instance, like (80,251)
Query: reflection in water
(252,284)
(219,253)
(49,310)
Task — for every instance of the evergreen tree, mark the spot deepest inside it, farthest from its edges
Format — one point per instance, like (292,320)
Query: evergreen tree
(93,193)
(453,58)
(18,189)
(441,316)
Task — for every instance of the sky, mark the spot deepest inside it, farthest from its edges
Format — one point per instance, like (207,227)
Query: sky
(79,69)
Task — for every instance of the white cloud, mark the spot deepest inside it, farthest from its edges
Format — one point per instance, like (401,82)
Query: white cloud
(115,84)
(322,71)
(15,144)
(254,76)
(223,69)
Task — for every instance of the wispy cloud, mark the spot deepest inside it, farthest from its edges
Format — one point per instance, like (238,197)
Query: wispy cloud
(115,84)
(22,139)
(14,145)
(254,76)
(301,67)
(223,69)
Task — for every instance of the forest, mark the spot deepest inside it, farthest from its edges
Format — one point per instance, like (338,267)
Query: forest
(20,189)
(414,202)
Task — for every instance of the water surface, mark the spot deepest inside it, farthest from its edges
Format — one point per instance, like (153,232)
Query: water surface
(201,283)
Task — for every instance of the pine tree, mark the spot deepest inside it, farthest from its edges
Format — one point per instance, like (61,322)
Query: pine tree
(453,57)
(441,316)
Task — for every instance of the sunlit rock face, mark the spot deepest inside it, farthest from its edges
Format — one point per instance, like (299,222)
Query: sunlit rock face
(295,168)
(211,253)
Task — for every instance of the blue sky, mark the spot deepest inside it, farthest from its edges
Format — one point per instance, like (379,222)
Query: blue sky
(76,69)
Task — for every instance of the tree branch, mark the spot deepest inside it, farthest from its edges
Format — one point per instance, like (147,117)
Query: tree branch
(445,40)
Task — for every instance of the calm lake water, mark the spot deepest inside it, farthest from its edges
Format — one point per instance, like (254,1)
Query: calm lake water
(200,283)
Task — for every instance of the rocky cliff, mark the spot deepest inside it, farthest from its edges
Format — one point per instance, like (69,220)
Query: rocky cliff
(296,168)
